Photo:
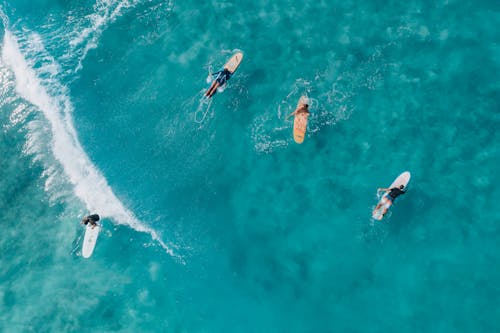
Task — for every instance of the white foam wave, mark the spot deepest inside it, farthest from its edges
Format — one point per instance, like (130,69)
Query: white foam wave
(51,98)
(103,14)
(265,140)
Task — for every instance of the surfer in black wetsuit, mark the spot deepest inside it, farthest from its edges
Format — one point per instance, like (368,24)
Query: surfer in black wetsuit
(221,78)
(92,219)
(394,192)
(390,196)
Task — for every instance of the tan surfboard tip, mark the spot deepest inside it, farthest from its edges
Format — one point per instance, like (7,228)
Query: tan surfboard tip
(234,62)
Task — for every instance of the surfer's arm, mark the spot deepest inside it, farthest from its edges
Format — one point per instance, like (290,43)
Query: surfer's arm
(216,73)
(291,114)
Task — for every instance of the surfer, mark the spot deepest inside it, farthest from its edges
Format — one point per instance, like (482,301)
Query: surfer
(390,195)
(92,219)
(303,108)
(221,78)
(301,114)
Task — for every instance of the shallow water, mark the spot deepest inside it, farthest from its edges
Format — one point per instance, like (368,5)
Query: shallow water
(214,219)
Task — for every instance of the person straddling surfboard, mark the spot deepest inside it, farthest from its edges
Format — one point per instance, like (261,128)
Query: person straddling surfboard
(92,219)
(389,196)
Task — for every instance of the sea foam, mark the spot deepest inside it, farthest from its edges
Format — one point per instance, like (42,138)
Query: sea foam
(86,38)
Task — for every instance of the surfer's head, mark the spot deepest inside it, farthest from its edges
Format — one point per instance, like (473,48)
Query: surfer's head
(401,187)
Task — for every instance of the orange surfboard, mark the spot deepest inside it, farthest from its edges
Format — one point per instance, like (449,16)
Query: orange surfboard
(300,121)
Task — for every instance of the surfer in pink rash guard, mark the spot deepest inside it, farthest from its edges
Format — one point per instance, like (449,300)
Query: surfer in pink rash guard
(92,219)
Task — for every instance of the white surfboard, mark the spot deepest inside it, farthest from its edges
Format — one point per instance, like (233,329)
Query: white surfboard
(89,240)
(402,179)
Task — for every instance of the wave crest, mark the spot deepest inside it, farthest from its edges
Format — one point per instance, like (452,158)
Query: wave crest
(36,82)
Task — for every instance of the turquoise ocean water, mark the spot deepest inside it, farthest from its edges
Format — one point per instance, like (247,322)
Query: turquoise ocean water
(214,220)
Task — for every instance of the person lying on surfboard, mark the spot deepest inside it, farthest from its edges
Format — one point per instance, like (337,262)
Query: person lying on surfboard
(221,78)
(92,219)
(390,195)
(304,108)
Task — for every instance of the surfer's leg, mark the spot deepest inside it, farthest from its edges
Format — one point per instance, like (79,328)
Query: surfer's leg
(383,202)
(387,204)
(207,93)
(212,90)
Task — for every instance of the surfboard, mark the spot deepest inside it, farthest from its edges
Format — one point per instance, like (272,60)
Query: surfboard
(402,179)
(90,239)
(234,62)
(300,122)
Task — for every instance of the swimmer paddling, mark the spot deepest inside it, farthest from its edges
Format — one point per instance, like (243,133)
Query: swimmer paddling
(397,188)
(222,76)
